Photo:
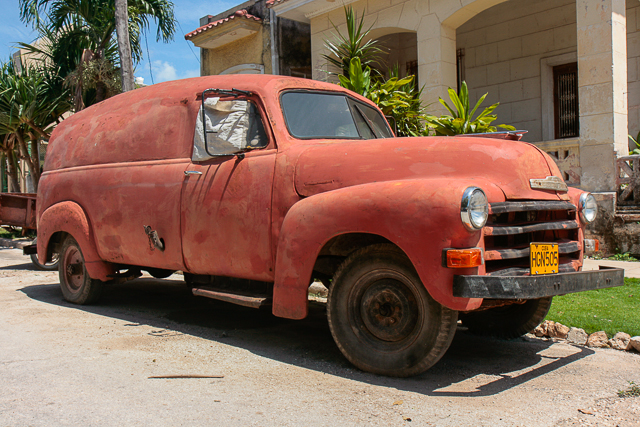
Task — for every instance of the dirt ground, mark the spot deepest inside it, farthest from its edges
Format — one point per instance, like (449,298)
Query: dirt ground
(69,365)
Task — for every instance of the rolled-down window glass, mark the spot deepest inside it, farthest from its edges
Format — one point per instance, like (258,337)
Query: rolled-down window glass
(326,115)
(232,127)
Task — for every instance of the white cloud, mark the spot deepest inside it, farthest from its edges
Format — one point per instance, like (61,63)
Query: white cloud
(163,71)
(191,73)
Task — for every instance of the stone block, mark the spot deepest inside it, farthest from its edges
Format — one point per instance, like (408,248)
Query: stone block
(565,37)
(510,49)
(409,18)
(526,110)
(632,24)
(498,73)
(592,72)
(504,114)
(522,26)
(374,6)
(523,68)
(390,18)
(487,54)
(596,129)
(595,98)
(620,341)
(598,168)
(429,28)
(635,343)
(598,340)
(590,43)
(590,12)
(497,32)
(511,91)
(531,88)
(556,17)
(632,75)
(477,77)
(577,336)
(537,43)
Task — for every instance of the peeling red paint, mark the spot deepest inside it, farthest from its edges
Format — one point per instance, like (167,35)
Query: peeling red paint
(120,165)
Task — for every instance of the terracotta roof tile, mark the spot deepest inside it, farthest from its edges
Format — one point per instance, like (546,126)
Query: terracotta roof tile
(237,14)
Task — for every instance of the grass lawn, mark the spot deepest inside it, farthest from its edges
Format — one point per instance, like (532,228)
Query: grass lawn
(611,310)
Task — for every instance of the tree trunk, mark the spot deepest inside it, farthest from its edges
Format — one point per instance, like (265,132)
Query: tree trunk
(33,171)
(124,45)
(12,171)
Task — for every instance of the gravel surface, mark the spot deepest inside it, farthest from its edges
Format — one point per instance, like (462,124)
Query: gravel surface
(68,365)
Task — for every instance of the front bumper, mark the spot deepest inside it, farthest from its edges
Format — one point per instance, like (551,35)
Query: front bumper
(531,287)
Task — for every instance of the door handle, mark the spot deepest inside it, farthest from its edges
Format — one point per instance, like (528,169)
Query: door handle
(192,173)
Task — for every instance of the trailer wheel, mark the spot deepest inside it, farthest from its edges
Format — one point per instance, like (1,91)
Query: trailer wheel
(381,316)
(508,322)
(51,266)
(77,287)
(159,273)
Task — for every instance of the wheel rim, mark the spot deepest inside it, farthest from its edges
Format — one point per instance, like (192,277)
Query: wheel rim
(73,268)
(387,310)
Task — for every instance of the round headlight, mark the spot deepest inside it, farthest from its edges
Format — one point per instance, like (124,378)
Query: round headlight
(474,209)
(588,208)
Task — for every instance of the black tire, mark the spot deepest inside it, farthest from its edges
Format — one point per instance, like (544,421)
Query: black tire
(51,266)
(374,288)
(77,287)
(159,273)
(508,322)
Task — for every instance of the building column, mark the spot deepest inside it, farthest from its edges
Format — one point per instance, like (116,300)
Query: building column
(602,90)
(436,61)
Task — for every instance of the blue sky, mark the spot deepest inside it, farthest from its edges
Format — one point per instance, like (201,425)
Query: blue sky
(169,61)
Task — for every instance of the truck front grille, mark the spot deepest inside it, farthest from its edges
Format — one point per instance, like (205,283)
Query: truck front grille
(512,226)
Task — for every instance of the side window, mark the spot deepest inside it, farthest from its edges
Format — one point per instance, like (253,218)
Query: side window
(231,127)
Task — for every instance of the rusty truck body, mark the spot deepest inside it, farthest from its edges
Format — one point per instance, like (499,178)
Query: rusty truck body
(254,186)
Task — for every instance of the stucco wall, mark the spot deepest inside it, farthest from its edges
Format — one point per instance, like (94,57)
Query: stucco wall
(504,51)
(253,49)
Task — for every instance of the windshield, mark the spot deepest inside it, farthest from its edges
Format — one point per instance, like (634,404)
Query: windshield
(332,115)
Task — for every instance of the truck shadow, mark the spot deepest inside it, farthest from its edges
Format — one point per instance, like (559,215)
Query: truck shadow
(473,366)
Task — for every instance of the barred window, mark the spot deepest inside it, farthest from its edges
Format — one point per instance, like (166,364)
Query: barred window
(565,101)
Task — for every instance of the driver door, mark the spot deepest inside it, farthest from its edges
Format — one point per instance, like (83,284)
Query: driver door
(226,198)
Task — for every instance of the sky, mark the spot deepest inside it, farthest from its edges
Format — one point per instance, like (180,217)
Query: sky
(178,59)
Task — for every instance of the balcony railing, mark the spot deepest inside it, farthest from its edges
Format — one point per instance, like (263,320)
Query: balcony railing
(628,180)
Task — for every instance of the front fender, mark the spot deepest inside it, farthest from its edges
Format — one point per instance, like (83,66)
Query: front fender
(70,218)
(422,217)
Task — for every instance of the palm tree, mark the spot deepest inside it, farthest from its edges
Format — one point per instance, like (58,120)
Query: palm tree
(31,104)
(82,33)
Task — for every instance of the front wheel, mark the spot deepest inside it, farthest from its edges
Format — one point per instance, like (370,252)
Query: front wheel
(77,287)
(508,322)
(381,316)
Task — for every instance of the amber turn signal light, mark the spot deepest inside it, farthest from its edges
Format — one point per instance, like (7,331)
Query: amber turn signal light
(591,246)
(464,258)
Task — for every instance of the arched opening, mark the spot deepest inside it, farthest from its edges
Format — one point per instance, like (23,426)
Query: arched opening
(512,51)
(401,53)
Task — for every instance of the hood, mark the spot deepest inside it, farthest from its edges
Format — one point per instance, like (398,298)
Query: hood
(509,165)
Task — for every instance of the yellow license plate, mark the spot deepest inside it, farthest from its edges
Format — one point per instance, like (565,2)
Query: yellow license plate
(543,258)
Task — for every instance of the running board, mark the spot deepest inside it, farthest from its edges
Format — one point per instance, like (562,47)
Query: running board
(244,300)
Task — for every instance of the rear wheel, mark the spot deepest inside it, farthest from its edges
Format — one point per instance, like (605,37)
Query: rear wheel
(508,322)
(381,316)
(77,287)
(50,266)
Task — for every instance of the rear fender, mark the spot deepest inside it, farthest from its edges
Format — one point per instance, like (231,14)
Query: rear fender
(70,218)
(421,217)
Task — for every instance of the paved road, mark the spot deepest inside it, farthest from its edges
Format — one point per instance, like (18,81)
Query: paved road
(69,365)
